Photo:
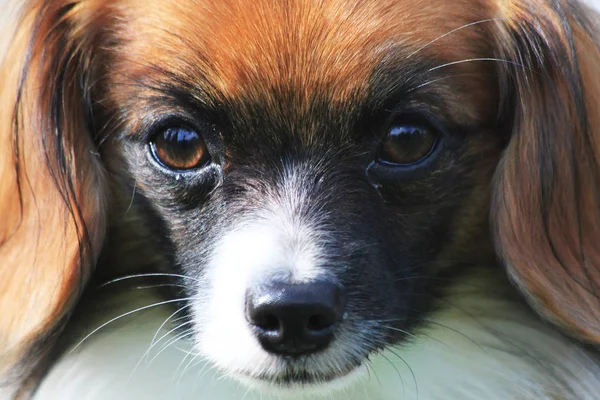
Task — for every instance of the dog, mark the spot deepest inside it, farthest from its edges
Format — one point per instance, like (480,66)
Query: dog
(363,199)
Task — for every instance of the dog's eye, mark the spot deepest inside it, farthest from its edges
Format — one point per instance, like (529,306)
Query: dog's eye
(407,144)
(179,149)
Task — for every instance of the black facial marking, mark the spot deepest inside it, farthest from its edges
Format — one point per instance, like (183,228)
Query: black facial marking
(390,232)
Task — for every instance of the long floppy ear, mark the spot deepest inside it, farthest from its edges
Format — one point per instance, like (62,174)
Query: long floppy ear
(52,201)
(546,211)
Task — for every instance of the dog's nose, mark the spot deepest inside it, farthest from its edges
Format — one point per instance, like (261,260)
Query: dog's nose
(295,319)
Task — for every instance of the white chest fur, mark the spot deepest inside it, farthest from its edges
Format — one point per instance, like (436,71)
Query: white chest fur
(481,345)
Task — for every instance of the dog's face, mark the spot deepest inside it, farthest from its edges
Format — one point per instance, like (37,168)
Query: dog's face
(315,169)
(319,173)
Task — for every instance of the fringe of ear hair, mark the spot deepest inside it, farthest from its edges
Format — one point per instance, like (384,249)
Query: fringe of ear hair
(51,186)
(546,208)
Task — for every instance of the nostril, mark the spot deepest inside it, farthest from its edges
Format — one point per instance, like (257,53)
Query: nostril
(295,319)
(268,322)
(263,316)
(317,323)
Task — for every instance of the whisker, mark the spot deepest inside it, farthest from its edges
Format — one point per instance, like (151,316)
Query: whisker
(246,393)
(183,335)
(142,287)
(381,344)
(132,198)
(154,274)
(194,357)
(500,60)
(471,24)
(409,368)
(199,377)
(152,344)
(447,262)
(197,359)
(370,366)
(430,321)
(368,374)
(443,79)
(397,371)
(413,335)
(125,315)
(201,373)
(477,288)
(146,354)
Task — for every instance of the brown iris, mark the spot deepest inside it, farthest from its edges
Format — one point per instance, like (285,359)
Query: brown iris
(407,144)
(179,149)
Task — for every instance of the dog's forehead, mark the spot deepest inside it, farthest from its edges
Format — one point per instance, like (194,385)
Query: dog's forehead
(247,48)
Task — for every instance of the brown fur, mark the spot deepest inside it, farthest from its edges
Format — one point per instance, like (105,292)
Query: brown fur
(226,48)
(46,229)
(546,214)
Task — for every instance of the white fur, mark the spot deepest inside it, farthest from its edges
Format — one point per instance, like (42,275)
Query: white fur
(481,345)
(277,241)
(7,392)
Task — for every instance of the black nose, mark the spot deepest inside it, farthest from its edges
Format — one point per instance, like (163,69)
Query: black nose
(295,319)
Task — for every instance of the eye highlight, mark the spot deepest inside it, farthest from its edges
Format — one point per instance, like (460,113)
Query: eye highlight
(406,144)
(179,148)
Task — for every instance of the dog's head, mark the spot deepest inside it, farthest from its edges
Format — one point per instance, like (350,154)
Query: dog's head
(318,171)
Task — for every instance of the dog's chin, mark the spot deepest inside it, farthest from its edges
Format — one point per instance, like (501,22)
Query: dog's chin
(292,382)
